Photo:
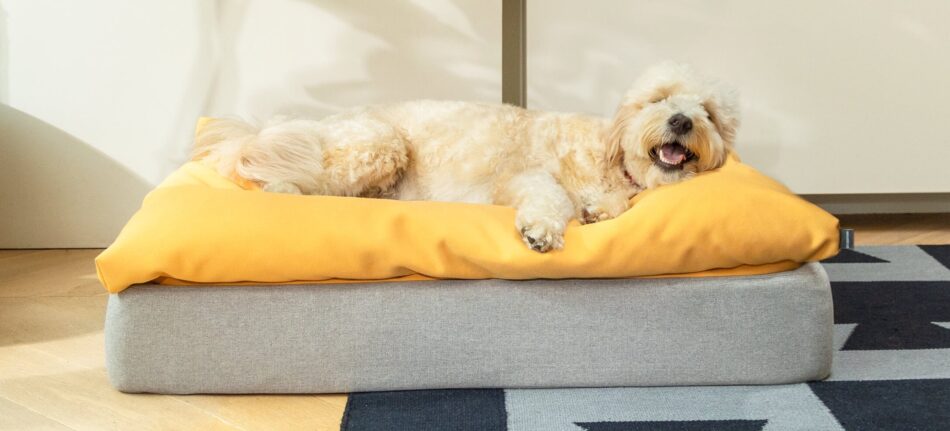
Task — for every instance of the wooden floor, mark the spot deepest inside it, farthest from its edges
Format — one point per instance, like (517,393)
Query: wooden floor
(51,350)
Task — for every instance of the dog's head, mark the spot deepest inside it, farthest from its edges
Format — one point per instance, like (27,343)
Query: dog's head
(672,124)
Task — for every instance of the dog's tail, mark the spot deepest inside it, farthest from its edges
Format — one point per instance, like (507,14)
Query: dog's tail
(282,151)
(222,142)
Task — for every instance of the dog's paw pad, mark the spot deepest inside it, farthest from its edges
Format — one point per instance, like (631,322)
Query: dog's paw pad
(593,214)
(541,239)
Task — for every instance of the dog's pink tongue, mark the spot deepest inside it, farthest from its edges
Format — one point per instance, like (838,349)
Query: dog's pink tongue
(673,153)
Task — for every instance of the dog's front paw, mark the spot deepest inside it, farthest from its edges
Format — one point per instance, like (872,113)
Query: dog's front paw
(542,237)
(594,214)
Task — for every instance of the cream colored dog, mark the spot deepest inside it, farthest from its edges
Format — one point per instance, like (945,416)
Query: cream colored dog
(550,167)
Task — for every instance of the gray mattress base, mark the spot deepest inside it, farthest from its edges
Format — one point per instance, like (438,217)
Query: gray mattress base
(329,338)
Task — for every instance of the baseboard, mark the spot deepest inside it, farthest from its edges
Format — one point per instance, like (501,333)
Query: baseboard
(883,203)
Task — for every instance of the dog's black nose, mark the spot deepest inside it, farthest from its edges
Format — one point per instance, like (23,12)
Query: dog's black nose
(680,124)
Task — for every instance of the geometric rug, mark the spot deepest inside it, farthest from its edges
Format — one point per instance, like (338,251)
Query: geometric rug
(891,372)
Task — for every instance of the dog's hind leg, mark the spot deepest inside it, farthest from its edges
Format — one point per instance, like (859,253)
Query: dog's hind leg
(543,208)
(351,154)
(363,156)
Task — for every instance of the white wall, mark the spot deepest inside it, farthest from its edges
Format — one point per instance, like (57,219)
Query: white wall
(317,57)
(838,96)
(126,80)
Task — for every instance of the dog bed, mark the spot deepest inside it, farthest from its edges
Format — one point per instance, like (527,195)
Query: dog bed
(218,287)
(762,329)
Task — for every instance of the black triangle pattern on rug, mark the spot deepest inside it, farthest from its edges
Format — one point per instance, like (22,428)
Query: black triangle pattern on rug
(894,314)
(851,256)
(883,405)
(717,425)
(898,335)
(450,409)
(939,252)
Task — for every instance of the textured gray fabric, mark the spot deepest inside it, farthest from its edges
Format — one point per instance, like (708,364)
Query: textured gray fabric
(481,333)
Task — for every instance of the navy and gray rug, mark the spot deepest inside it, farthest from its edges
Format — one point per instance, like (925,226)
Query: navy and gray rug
(891,372)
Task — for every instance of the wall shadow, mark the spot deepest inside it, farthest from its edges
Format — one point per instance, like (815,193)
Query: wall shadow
(213,80)
(423,56)
(57,191)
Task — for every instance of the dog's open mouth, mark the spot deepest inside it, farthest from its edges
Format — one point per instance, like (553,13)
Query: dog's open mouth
(671,156)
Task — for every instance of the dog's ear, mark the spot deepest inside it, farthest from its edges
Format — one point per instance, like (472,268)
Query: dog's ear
(722,105)
(618,128)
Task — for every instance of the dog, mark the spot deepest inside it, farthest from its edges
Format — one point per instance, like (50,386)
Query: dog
(551,167)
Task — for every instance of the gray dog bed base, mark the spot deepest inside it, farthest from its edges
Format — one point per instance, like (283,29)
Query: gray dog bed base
(328,338)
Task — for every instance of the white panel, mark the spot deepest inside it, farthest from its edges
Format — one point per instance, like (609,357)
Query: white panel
(317,57)
(838,96)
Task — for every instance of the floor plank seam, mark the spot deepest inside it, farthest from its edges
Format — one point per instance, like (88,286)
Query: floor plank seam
(37,413)
(209,413)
